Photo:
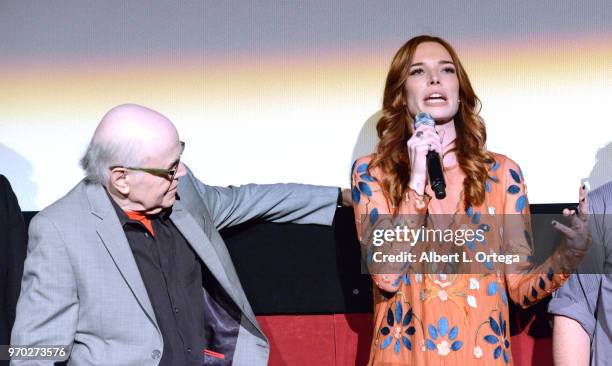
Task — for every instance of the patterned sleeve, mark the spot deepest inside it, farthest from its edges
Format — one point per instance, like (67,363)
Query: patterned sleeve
(371,207)
(527,283)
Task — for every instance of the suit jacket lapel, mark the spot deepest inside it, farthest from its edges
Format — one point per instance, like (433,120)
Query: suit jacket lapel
(114,239)
(203,247)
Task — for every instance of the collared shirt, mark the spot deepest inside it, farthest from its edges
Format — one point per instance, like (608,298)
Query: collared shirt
(587,295)
(172,275)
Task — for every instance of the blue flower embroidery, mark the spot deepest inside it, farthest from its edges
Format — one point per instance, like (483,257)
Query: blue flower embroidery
(396,324)
(521,202)
(361,187)
(470,245)
(499,338)
(515,176)
(492,289)
(476,218)
(365,189)
(484,227)
(550,274)
(492,177)
(442,332)
(356,194)
(494,166)
(514,189)
(404,278)
(367,177)
(373,216)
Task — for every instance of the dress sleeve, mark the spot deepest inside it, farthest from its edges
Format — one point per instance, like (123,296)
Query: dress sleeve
(527,283)
(373,210)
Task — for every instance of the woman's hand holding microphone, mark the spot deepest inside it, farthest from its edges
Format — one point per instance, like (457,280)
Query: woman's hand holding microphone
(424,139)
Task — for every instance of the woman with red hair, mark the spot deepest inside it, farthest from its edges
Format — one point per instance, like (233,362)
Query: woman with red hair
(453,311)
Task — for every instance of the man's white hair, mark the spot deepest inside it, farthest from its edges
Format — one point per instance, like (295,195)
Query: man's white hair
(100,157)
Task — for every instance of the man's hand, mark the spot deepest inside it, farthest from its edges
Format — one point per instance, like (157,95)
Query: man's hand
(577,238)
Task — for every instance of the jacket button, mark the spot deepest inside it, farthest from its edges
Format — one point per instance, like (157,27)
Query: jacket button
(155,354)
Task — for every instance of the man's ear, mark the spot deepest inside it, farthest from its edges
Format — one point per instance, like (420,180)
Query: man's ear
(118,181)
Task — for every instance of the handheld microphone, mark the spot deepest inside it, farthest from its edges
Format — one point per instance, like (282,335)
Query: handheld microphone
(434,168)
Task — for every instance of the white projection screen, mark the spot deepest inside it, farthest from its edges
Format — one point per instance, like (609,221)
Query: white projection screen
(290,91)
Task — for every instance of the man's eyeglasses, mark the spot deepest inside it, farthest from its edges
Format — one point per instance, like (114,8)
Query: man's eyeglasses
(163,173)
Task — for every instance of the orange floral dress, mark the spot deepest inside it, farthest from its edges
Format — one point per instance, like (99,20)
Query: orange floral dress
(458,318)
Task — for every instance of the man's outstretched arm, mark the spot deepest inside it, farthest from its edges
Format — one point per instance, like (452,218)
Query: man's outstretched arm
(228,206)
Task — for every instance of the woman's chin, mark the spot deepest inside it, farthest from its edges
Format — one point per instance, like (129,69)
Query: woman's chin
(442,120)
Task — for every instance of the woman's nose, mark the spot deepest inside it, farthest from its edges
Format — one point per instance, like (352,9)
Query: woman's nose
(433,79)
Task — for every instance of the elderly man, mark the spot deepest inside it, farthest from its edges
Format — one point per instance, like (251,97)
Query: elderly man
(582,308)
(129,269)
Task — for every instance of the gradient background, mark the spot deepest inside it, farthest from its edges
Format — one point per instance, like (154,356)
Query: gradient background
(266,91)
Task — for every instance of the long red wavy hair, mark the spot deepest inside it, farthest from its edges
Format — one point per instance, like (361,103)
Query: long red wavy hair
(395,127)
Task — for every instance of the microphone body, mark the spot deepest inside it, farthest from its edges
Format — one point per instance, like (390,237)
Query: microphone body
(434,167)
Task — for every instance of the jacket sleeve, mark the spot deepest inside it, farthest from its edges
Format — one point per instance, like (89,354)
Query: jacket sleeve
(281,203)
(47,309)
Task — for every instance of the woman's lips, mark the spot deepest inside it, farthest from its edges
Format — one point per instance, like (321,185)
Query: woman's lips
(435,99)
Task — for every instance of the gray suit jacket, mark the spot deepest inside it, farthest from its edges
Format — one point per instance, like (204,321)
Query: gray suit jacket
(81,285)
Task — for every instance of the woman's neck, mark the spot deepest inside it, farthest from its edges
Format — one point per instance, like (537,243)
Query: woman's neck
(448,135)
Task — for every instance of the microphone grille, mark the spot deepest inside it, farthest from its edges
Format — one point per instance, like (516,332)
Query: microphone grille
(423,119)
